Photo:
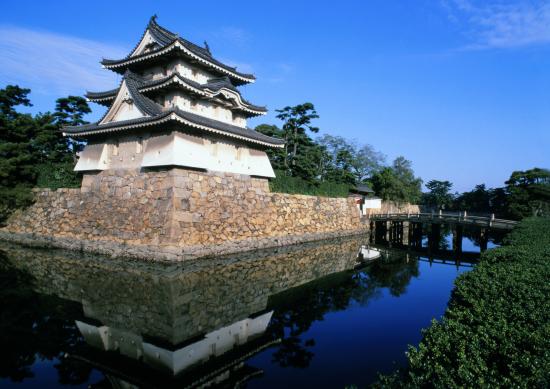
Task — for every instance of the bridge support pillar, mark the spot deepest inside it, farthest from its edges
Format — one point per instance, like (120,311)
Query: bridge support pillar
(372,232)
(434,237)
(396,232)
(405,233)
(483,239)
(381,232)
(457,238)
(417,235)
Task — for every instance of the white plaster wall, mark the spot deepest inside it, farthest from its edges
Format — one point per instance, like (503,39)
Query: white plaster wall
(373,203)
(214,343)
(205,108)
(191,72)
(129,154)
(185,150)
(93,157)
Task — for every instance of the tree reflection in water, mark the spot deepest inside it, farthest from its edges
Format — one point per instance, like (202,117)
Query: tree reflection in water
(36,327)
(297,309)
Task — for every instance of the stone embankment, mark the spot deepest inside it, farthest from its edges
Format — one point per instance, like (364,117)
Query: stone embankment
(177,214)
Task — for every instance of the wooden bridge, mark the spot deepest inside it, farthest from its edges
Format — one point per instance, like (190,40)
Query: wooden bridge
(459,218)
(408,229)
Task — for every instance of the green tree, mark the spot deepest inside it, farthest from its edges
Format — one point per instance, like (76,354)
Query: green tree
(386,185)
(70,111)
(17,173)
(276,155)
(440,195)
(529,193)
(297,121)
(33,147)
(367,162)
(347,162)
(397,183)
(338,159)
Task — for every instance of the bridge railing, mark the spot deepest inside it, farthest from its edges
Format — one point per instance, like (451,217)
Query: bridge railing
(450,217)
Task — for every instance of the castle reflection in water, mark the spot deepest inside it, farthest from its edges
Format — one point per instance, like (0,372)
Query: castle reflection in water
(192,324)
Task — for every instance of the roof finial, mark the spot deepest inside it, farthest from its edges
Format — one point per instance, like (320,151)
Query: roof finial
(207,47)
(153,19)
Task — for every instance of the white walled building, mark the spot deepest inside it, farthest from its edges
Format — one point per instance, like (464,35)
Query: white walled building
(176,105)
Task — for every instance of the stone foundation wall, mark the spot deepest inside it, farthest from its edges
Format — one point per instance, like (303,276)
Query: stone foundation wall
(177,214)
(392,207)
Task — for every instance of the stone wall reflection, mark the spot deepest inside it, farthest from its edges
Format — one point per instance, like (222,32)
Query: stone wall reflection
(178,302)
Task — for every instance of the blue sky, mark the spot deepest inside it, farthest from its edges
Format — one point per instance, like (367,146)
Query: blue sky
(461,88)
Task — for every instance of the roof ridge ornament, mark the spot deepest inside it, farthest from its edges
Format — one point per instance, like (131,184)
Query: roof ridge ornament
(207,48)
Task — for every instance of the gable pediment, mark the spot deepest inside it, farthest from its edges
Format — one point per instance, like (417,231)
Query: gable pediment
(123,108)
(147,43)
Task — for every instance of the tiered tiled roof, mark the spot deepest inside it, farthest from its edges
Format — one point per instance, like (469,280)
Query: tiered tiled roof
(208,90)
(169,43)
(135,89)
(156,114)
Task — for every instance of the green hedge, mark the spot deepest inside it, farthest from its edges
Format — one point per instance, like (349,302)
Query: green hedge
(58,175)
(285,184)
(496,330)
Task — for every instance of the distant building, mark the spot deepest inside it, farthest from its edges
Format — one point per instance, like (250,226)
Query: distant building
(365,199)
(176,105)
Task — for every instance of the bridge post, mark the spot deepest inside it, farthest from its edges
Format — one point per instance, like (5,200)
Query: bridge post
(457,238)
(483,239)
(372,232)
(380,231)
(416,238)
(434,237)
(406,232)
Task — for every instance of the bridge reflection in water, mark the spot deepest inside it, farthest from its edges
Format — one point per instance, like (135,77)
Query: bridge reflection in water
(192,324)
(427,234)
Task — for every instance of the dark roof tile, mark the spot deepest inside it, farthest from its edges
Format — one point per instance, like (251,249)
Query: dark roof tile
(166,38)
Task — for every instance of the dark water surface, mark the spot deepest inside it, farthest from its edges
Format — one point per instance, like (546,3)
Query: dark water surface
(302,316)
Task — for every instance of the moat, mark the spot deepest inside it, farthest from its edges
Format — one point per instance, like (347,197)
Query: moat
(298,316)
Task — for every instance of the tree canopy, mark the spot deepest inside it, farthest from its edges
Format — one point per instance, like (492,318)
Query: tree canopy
(398,182)
(32,147)
(440,196)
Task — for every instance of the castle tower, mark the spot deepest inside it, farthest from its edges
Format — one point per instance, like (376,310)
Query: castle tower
(176,106)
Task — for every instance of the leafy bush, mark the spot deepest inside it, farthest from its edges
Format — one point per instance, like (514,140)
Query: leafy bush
(58,175)
(13,198)
(496,330)
(295,185)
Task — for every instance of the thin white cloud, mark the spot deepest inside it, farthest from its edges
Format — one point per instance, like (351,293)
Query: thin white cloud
(280,73)
(498,25)
(242,67)
(234,35)
(51,63)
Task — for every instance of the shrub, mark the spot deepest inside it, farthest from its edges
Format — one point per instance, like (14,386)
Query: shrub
(295,185)
(496,330)
(13,198)
(58,175)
